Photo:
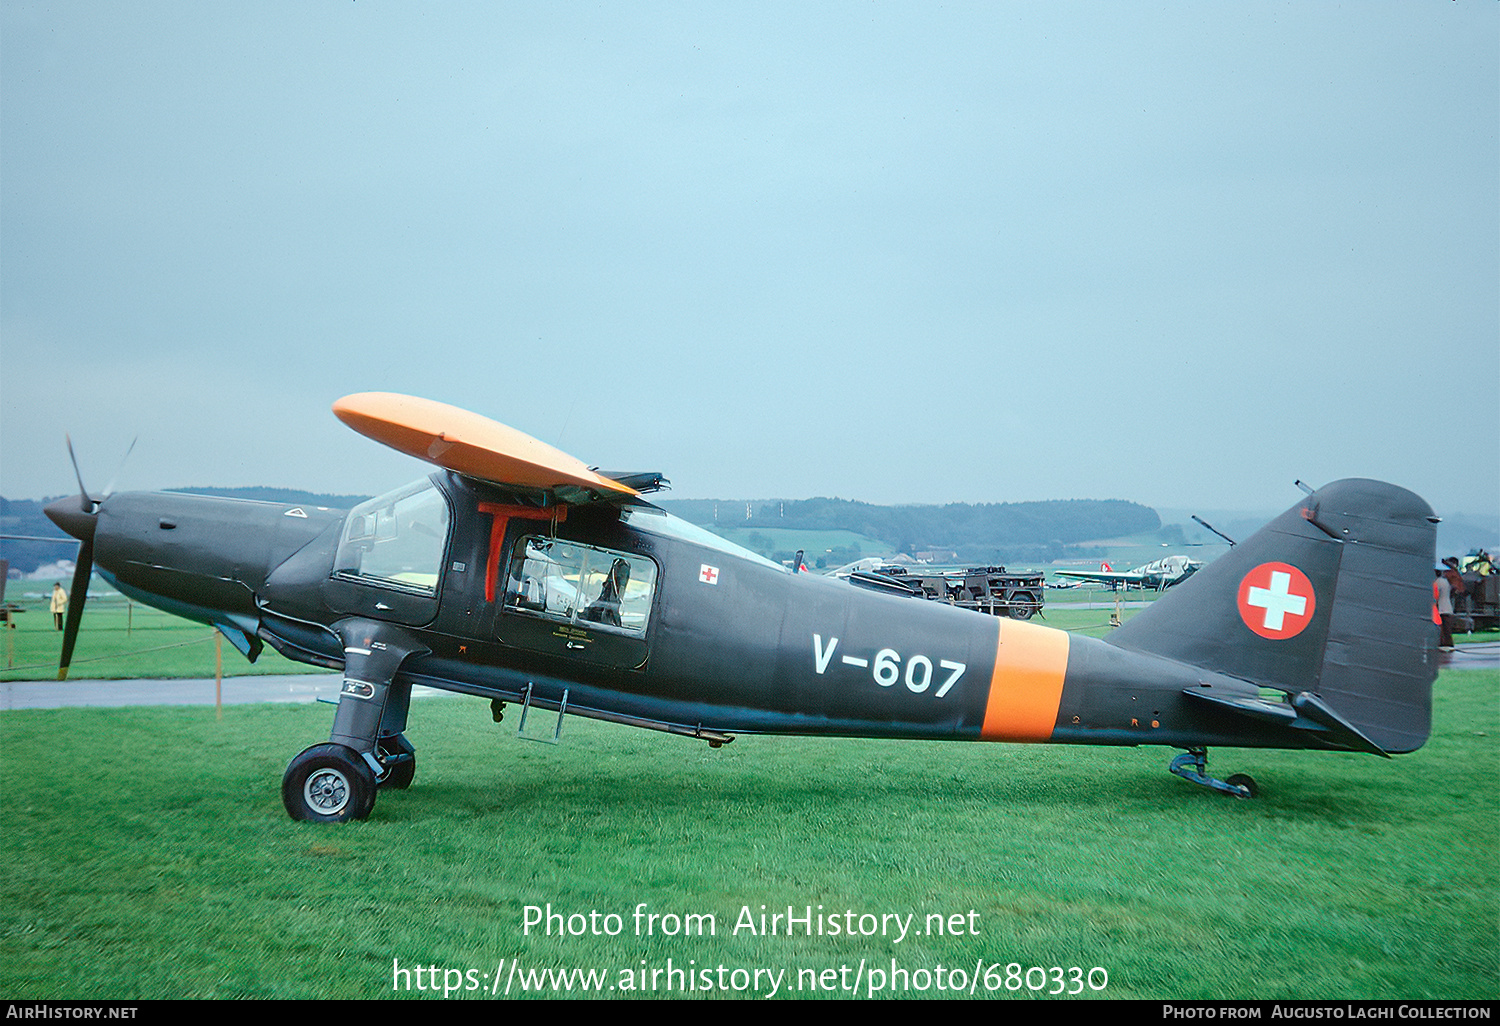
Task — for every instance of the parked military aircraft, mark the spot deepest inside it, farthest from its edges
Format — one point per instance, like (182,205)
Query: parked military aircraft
(516,573)
(1157,575)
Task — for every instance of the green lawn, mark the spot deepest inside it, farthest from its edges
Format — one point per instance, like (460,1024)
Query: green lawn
(147,855)
(122,640)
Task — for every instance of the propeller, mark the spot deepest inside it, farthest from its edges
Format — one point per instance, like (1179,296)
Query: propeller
(109,489)
(86,504)
(77,596)
(80,523)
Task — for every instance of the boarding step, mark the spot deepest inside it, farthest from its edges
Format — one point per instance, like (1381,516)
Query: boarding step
(526,707)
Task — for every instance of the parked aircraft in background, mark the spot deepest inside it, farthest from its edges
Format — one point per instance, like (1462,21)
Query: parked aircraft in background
(1157,575)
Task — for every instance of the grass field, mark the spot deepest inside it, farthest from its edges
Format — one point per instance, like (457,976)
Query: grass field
(119,640)
(147,855)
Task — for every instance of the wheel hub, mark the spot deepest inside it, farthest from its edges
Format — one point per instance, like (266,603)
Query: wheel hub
(327,791)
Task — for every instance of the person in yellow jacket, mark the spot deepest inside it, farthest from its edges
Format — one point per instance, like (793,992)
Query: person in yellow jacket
(59,604)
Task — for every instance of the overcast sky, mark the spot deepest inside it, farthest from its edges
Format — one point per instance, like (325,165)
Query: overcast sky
(1177,253)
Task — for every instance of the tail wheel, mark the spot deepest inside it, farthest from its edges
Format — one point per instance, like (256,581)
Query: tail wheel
(1245,781)
(328,783)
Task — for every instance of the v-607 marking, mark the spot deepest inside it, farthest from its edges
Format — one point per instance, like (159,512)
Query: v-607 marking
(887,667)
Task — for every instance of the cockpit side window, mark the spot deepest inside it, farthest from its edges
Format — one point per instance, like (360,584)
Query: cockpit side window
(575,583)
(397,540)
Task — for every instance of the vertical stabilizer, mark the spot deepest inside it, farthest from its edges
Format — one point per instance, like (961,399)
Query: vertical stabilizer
(1333,597)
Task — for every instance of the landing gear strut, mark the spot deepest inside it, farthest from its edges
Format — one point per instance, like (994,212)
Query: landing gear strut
(367,750)
(399,757)
(1193,765)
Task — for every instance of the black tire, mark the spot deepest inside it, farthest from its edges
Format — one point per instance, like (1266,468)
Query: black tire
(328,783)
(1247,782)
(399,754)
(400,776)
(1022,610)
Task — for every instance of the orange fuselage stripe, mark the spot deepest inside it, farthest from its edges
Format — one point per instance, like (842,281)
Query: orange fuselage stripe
(1026,687)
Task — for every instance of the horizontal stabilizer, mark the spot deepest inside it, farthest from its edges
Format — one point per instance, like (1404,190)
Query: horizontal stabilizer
(1245,705)
(1341,730)
(1306,711)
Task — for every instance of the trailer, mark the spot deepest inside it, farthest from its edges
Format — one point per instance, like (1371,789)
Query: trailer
(985,589)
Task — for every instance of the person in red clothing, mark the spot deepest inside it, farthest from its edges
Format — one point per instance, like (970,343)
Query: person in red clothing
(1442,611)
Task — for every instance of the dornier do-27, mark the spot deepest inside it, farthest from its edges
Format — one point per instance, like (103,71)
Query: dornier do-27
(516,573)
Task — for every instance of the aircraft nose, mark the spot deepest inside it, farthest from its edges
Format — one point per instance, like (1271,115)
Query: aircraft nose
(70,516)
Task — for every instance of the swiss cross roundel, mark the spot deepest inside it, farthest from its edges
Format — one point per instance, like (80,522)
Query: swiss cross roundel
(1276,601)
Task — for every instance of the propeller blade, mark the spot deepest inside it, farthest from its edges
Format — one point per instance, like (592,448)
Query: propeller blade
(76,599)
(83,493)
(109,489)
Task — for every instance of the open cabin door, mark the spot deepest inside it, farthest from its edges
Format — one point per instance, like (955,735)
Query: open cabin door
(578,601)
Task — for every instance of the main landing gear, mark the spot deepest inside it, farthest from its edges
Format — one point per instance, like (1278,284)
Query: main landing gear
(1193,764)
(328,783)
(366,750)
(332,783)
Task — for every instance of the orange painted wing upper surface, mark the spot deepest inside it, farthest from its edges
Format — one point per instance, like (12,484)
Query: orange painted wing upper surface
(467,443)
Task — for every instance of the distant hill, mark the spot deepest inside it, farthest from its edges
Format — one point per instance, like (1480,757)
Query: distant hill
(981,533)
(287,496)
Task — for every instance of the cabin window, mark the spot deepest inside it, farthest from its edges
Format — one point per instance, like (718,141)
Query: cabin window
(396,540)
(657,521)
(574,583)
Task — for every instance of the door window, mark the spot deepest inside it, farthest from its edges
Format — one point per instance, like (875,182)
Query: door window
(574,583)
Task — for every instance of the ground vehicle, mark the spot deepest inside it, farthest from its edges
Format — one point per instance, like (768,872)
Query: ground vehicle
(1478,609)
(987,589)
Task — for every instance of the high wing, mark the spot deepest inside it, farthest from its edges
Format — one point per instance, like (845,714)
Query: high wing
(478,447)
(1105,577)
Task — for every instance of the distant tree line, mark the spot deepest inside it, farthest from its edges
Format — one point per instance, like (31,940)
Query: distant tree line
(983,532)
